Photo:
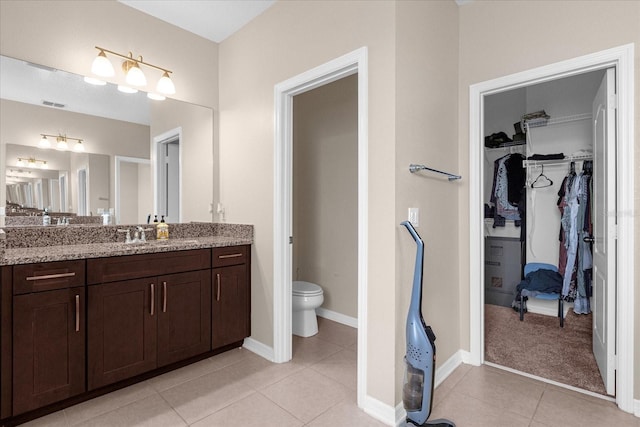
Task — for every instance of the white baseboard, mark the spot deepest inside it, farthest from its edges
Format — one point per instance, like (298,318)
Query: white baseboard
(378,410)
(636,408)
(449,366)
(441,374)
(258,348)
(337,317)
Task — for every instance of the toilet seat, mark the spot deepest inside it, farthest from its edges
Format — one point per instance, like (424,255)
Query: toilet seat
(306,289)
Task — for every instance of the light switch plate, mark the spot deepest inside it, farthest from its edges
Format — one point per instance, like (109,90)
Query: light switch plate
(414,216)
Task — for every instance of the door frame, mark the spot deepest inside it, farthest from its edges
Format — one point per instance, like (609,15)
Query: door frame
(166,137)
(622,59)
(355,62)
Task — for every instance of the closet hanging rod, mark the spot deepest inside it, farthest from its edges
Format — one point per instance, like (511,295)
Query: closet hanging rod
(568,159)
(415,168)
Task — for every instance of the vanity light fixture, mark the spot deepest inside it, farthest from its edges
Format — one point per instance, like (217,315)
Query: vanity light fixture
(31,162)
(44,142)
(131,67)
(102,66)
(62,142)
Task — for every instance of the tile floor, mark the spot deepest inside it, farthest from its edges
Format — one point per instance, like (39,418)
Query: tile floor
(318,388)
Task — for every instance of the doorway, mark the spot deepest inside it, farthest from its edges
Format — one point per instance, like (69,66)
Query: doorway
(622,60)
(168,176)
(346,65)
(525,239)
(325,195)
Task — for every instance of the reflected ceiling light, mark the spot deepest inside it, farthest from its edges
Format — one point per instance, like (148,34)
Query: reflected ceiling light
(101,65)
(32,162)
(44,142)
(133,72)
(127,89)
(62,142)
(94,81)
(156,96)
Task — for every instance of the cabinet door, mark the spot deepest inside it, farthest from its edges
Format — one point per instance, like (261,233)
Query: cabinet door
(122,330)
(184,316)
(48,347)
(230,307)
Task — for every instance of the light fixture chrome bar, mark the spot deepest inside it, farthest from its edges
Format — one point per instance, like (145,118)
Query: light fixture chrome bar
(415,168)
(131,58)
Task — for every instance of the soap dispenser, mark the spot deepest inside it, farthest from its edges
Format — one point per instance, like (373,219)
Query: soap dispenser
(162,230)
(46,219)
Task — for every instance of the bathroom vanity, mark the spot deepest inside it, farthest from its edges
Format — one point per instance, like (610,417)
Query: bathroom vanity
(81,320)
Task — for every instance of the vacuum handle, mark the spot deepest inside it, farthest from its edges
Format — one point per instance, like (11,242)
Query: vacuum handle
(413,232)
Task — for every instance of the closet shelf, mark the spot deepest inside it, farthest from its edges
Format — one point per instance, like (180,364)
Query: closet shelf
(558,120)
(567,159)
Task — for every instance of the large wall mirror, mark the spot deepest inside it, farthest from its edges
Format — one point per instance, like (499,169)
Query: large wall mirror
(123,137)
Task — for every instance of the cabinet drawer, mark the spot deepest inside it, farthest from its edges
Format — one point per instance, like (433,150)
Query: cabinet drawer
(47,276)
(103,270)
(230,255)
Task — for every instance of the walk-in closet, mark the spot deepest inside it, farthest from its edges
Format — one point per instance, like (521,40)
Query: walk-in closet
(540,210)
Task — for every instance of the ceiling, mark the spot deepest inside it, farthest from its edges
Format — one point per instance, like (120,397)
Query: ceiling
(212,19)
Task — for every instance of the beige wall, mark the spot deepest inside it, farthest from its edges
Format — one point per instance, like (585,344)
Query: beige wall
(287,39)
(325,192)
(426,123)
(494,42)
(99,183)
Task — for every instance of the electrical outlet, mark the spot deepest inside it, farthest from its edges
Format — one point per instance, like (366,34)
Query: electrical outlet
(414,216)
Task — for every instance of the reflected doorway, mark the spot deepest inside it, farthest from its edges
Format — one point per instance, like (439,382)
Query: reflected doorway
(168,177)
(82,192)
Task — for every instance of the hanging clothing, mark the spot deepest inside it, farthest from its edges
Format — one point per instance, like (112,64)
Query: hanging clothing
(575,260)
(508,180)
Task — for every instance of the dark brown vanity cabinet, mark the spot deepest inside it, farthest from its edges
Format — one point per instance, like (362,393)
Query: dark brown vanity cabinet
(49,330)
(140,324)
(231,295)
(68,328)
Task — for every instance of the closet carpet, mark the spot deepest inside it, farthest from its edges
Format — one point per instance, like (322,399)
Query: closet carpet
(539,346)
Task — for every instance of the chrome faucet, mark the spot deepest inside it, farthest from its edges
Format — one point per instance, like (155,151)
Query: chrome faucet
(140,231)
(128,237)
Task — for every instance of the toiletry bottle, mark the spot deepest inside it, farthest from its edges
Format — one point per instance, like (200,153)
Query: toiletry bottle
(162,230)
(155,219)
(46,219)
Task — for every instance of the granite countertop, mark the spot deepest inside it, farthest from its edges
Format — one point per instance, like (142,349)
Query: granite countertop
(218,236)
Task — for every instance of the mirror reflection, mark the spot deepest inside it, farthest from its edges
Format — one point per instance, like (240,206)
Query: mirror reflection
(122,136)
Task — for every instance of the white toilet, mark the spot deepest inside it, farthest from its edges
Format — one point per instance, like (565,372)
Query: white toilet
(306,298)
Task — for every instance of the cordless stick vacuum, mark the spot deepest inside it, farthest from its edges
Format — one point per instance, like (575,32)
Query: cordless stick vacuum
(420,359)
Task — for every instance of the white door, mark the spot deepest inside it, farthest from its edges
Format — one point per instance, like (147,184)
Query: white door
(604,223)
